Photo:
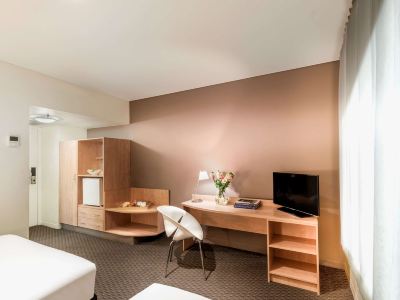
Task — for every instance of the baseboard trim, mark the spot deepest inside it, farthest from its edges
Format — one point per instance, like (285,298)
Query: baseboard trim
(100,234)
(332,264)
(51,225)
(355,290)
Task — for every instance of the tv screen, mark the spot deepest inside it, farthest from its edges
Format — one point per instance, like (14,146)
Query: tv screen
(299,192)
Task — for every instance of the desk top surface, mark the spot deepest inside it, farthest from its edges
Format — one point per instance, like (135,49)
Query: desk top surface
(268,210)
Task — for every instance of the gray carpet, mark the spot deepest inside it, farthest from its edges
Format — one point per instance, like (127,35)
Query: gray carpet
(123,270)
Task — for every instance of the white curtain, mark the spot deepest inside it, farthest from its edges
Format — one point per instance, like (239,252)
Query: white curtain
(370,147)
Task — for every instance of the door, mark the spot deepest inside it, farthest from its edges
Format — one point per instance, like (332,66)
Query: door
(33,163)
(69,182)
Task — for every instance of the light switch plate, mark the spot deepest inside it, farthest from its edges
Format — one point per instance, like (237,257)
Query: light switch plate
(13,141)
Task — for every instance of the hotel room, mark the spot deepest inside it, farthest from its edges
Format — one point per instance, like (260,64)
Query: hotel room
(194,149)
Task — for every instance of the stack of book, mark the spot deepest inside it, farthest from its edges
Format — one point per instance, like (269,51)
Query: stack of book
(247,203)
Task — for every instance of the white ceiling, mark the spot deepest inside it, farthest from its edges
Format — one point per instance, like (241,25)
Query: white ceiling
(66,119)
(135,49)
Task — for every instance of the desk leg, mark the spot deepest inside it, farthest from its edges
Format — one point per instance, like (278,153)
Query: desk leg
(186,244)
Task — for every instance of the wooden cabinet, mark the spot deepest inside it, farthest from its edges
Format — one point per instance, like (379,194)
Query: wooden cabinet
(112,158)
(68,197)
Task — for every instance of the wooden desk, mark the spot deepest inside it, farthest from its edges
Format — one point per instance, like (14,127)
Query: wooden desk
(292,242)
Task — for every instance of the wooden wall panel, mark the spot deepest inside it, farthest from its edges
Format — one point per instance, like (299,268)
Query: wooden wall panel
(68,182)
(117,164)
(156,196)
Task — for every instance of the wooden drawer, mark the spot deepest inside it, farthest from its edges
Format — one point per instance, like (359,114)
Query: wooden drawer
(91,217)
(230,221)
(91,212)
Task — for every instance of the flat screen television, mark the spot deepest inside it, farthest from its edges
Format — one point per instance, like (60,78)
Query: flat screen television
(297,193)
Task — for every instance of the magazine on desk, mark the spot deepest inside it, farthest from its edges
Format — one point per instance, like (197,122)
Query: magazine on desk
(247,203)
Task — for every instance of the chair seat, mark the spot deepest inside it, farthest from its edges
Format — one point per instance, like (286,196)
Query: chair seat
(180,223)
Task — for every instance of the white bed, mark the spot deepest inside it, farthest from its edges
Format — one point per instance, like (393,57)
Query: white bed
(158,291)
(29,270)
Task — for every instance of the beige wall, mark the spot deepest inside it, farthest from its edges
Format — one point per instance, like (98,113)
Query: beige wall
(48,170)
(20,89)
(280,122)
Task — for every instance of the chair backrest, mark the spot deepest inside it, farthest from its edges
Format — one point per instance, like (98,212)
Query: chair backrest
(180,223)
(171,215)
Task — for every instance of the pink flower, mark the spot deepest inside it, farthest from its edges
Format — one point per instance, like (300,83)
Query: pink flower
(221,177)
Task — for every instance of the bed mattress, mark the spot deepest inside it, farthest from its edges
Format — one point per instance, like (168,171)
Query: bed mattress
(29,270)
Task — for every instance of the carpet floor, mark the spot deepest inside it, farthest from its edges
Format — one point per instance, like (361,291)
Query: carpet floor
(124,270)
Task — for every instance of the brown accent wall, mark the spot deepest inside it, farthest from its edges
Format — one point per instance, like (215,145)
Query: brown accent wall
(286,121)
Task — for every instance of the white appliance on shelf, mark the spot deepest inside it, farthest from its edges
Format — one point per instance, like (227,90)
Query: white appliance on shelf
(92,191)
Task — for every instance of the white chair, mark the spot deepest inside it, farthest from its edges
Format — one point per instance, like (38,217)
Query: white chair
(181,225)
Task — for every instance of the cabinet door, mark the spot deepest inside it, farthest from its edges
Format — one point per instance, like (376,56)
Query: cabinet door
(69,182)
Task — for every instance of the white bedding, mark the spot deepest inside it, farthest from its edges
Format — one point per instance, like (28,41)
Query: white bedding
(29,270)
(158,291)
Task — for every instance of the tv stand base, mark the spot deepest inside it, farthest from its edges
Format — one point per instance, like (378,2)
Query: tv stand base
(294,212)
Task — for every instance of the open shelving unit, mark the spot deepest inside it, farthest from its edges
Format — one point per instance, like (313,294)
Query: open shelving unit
(135,230)
(91,217)
(293,257)
(88,152)
(112,157)
(137,221)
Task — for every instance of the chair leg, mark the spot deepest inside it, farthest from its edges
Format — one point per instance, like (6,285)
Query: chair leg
(204,254)
(168,258)
(172,251)
(202,260)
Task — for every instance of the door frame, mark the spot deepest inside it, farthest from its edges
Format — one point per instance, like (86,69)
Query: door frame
(33,188)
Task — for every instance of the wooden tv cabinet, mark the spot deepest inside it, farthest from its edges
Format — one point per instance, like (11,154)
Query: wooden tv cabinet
(293,256)
(292,242)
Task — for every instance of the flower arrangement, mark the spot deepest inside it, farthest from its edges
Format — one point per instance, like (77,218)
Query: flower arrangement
(222,180)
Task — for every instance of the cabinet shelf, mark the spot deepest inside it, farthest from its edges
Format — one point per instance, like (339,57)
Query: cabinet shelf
(293,254)
(135,230)
(297,270)
(133,210)
(90,176)
(295,244)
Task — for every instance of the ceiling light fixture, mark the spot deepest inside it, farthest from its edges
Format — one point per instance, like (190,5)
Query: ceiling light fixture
(45,118)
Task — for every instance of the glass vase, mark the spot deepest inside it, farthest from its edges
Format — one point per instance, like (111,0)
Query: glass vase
(221,199)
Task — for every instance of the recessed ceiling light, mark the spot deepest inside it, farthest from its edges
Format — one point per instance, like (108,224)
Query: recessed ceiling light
(45,118)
